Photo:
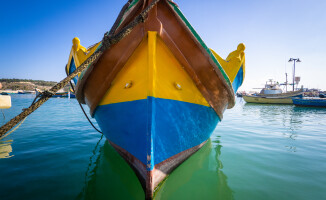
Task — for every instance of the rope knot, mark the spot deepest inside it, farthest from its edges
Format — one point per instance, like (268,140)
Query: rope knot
(142,17)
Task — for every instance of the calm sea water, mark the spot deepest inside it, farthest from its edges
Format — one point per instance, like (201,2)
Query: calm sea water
(257,152)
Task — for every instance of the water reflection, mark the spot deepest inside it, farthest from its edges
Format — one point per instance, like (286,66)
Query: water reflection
(278,119)
(287,120)
(309,110)
(270,114)
(201,176)
(5,149)
(109,177)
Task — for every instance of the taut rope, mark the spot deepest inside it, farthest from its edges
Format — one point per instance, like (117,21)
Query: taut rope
(108,40)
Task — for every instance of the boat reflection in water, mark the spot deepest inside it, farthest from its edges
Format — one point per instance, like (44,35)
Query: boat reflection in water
(199,177)
(5,149)
(282,120)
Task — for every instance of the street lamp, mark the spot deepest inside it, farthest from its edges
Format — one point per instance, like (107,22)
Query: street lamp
(294,60)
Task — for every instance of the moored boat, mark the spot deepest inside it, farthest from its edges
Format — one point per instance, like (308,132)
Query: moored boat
(60,94)
(266,100)
(310,102)
(21,92)
(272,94)
(159,92)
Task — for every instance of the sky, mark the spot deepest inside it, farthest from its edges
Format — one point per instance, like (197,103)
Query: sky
(36,35)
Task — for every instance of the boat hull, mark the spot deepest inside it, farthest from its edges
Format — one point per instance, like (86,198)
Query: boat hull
(153,114)
(264,100)
(309,102)
(159,92)
(156,135)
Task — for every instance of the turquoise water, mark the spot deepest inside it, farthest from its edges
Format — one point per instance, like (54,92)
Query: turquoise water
(257,152)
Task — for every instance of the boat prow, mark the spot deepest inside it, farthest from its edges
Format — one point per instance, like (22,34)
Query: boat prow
(159,92)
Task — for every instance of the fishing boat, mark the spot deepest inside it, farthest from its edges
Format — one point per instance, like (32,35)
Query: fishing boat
(60,94)
(21,92)
(29,92)
(273,94)
(159,92)
(310,102)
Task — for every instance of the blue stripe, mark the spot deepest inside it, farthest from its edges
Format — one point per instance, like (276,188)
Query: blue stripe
(310,102)
(72,68)
(158,127)
(238,80)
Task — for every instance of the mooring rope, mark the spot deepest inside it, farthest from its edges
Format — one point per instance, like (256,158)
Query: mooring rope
(107,41)
(3,136)
(82,108)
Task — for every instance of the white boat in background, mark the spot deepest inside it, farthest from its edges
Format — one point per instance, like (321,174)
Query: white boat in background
(273,94)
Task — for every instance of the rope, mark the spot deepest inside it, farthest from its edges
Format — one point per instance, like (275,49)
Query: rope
(37,96)
(107,42)
(89,120)
(1,137)
(118,20)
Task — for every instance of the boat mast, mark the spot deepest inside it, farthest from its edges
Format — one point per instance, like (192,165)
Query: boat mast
(294,60)
(286,82)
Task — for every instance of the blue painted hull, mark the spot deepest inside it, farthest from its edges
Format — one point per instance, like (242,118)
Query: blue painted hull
(153,129)
(318,102)
(237,82)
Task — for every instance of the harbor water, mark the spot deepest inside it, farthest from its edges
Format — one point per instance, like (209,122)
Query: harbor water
(270,152)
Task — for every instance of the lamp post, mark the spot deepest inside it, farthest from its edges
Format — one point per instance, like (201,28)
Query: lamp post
(294,60)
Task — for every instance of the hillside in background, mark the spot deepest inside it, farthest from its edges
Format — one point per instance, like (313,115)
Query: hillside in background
(26,84)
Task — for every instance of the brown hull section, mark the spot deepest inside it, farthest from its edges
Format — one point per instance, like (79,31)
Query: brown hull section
(151,179)
(179,39)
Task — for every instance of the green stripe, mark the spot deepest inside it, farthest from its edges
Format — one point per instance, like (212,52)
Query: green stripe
(201,42)
(132,4)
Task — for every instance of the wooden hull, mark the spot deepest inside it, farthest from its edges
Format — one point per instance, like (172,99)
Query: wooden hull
(159,93)
(310,102)
(257,99)
(153,114)
(190,51)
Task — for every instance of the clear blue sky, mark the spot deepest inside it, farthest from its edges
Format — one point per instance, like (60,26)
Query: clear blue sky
(35,35)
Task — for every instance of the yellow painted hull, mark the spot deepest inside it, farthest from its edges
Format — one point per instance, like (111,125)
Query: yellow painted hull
(153,71)
(255,99)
